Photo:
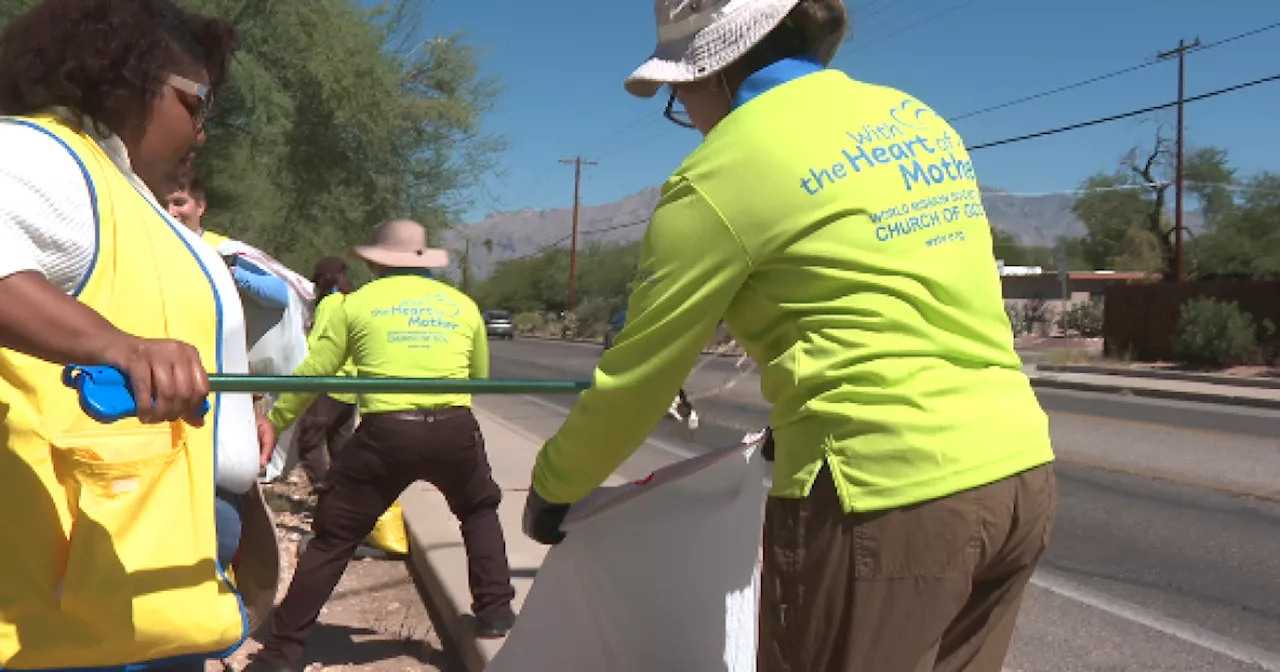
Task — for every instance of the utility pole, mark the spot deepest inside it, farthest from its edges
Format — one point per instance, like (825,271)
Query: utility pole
(1181,54)
(578,162)
(466,263)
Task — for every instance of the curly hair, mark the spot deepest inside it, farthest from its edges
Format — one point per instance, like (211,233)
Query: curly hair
(106,59)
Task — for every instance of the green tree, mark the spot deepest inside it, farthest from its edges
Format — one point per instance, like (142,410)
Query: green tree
(605,271)
(1244,242)
(1127,211)
(337,118)
(541,282)
(1209,178)
(1013,253)
(1113,212)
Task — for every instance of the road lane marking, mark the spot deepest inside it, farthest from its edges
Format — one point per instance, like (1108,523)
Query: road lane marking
(1191,634)
(659,443)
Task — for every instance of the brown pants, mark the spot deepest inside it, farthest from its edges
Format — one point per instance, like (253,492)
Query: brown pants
(936,586)
(327,423)
(387,453)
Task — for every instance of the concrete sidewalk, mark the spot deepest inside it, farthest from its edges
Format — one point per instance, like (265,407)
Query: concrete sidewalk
(1262,381)
(1157,387)
(436,543)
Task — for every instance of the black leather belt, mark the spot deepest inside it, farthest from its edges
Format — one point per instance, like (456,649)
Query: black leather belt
(427,414)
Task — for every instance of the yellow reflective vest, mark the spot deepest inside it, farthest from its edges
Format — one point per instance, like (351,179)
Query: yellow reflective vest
(109,541)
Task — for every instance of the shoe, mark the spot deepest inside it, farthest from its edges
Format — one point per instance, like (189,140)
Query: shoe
(494,629)
(692,422)
(260,665)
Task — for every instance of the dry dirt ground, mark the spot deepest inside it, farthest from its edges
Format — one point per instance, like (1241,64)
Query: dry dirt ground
(375,620)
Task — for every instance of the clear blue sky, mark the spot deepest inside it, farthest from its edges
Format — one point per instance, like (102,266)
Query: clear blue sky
(563,63)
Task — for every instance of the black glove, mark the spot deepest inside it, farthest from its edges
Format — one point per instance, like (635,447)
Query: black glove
(542,519)
(767,448)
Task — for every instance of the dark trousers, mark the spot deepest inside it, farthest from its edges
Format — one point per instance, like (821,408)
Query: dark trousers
(327,423)
(934,587)
(387,453)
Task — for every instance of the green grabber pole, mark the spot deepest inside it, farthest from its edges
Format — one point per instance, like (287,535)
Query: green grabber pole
(341,384)
(105,395)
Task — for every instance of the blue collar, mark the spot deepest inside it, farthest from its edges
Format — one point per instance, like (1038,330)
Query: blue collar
(775,74)
(422,272)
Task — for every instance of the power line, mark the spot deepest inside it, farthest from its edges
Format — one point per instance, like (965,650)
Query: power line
(1109,75)
(1124,115)
(563,239)
(1241,36)
(1060,89)
(929,19)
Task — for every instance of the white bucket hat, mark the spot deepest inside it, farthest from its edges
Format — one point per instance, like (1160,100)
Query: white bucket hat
(698,38)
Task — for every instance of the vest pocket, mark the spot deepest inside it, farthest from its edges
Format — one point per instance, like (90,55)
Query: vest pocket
(140,561)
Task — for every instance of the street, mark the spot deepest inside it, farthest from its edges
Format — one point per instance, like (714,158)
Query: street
(1166,549)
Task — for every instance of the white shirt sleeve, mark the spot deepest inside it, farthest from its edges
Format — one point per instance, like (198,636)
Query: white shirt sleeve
(46,214)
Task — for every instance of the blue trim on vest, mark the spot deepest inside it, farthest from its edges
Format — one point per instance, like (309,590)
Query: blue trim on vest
(244,614)
(93,198)
(774,75)
(222,574)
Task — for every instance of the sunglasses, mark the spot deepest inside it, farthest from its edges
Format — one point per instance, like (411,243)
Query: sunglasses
(204,97)
(677,115)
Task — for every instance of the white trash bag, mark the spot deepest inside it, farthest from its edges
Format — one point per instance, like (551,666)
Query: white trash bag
(277,341)
(658,575)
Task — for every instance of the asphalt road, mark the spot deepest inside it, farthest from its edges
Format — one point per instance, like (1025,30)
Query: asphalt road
(1166,549)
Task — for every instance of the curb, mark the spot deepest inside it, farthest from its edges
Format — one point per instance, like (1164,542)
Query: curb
(451,609)
(1175,395)
(540,337)
(1215,379)
(458,627)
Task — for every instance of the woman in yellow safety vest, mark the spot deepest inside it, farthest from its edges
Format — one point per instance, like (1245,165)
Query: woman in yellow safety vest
(838,229)
(111,551)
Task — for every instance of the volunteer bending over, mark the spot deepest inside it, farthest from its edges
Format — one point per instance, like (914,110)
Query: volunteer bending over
(912,489)
(402,325)
(117,555)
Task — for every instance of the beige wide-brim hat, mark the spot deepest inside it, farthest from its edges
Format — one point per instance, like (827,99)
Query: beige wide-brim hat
(698,38)
(402,243)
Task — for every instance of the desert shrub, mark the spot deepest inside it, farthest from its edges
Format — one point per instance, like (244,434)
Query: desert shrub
(1215,333)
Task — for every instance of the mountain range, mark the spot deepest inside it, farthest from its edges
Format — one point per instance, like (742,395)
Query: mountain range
(1032,219)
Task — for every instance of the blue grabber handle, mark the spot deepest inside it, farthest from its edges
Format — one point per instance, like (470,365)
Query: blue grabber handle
(105,392)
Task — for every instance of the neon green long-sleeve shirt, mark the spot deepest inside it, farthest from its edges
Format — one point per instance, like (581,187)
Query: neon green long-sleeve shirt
(399,326)
(838,229)
(329,308)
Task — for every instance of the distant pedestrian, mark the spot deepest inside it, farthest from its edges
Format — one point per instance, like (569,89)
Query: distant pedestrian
(403,324)
(913,491)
